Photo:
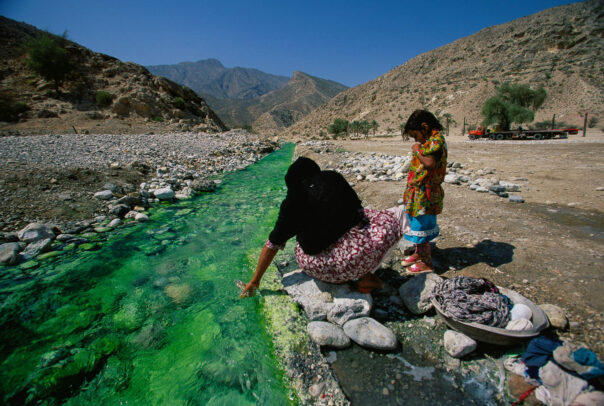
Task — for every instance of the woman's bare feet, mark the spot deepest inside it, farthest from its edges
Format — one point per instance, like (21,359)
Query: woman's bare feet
(368,283)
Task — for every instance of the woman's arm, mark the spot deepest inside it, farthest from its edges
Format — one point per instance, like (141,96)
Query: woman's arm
(265,259)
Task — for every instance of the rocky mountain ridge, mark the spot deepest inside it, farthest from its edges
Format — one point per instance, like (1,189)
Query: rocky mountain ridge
(561,49)
(277,110)
(139,101)
(210,77)
(249,97)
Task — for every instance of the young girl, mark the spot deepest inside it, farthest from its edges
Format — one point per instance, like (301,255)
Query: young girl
(423,198)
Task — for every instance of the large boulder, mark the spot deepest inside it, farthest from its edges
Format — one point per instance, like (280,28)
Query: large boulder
(203,185)
(417,292)
(320,300)
(327,334)
(369,333)
(35,232)
(9,253)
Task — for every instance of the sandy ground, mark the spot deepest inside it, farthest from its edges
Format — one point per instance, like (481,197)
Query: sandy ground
(550,248)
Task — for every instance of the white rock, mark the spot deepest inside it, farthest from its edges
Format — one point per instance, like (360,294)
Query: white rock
(104,195)
(458,344)
(9,253)
(481,189)
(327,334)
(417,292)
(115,222)
(34,232)
(141,217)
(131,214)
(165,193)
(38,247)
(369,333)
(452,178)
(555,315)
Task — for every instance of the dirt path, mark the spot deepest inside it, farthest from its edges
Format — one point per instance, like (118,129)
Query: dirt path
(550,249)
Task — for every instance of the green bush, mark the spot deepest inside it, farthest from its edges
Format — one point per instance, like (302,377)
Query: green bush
(158,119)
(339,126)
(10,111)
(48,57)
(179,103)
(104,98)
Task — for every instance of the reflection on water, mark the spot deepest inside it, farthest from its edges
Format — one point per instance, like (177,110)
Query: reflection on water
(153,316)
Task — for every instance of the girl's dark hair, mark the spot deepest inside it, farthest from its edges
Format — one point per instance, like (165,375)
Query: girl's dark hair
(422,116)
(303,168)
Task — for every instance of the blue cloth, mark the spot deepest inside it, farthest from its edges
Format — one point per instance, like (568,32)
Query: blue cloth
(423,228)
(584,356)
(539,351)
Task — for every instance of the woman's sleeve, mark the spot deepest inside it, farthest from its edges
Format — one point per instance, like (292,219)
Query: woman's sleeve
(284,227)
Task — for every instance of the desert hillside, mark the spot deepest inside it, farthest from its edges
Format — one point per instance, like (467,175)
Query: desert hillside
(135,100)
(561,49)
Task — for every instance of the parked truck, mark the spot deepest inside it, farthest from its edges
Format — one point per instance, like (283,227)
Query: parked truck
(520,134)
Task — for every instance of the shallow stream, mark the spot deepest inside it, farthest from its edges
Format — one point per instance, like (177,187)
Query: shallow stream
(152,317)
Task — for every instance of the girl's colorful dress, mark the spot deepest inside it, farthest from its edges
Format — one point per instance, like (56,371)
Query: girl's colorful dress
(423,197)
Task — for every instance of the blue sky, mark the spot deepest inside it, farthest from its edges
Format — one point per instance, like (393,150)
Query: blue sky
(350,41)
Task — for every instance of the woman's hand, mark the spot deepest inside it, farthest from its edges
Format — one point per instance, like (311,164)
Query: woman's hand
(416,146)
(249,289)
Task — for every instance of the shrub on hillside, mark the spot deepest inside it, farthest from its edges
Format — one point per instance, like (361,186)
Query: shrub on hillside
(179,103)
(104,98)
(48,57)
(11,111)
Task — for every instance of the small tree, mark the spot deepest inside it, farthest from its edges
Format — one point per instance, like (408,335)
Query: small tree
(355,127)
(448,121)
(103,98)
(512,103)
(374,126)
(48,57)
(365,126)
(179,103)
(338,127)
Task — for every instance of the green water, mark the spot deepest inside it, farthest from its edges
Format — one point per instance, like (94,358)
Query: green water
(152,317)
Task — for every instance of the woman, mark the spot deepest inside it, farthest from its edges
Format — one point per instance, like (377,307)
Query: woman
(337,240)
(423,197)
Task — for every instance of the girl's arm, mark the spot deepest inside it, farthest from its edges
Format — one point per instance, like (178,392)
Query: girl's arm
(266,257)
(428,161)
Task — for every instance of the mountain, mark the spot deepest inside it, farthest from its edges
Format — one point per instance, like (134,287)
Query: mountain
(245,96)
(561,49)
(277,110)
(210,77)
(134,98)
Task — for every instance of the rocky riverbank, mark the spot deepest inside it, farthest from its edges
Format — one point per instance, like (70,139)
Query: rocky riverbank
(89,184)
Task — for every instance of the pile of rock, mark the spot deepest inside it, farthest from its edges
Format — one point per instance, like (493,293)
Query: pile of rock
(346,313)
(42,241)
(373,167)
(479,181)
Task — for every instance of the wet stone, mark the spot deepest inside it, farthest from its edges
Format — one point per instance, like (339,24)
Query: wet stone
(416,293)
(327,334)
(369,333)
(29,265)
(458,344)
(90,246)
(48,255)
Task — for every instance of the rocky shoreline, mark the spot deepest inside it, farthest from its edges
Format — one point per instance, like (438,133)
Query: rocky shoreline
(169,167)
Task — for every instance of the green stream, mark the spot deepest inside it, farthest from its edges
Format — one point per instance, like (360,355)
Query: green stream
(153,316)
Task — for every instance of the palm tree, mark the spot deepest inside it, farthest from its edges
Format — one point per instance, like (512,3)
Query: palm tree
(374,126)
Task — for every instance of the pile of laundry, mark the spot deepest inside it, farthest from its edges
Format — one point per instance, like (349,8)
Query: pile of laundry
(559,372)
(478,300)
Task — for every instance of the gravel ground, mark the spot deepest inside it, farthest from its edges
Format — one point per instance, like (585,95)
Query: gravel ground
(52,177)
